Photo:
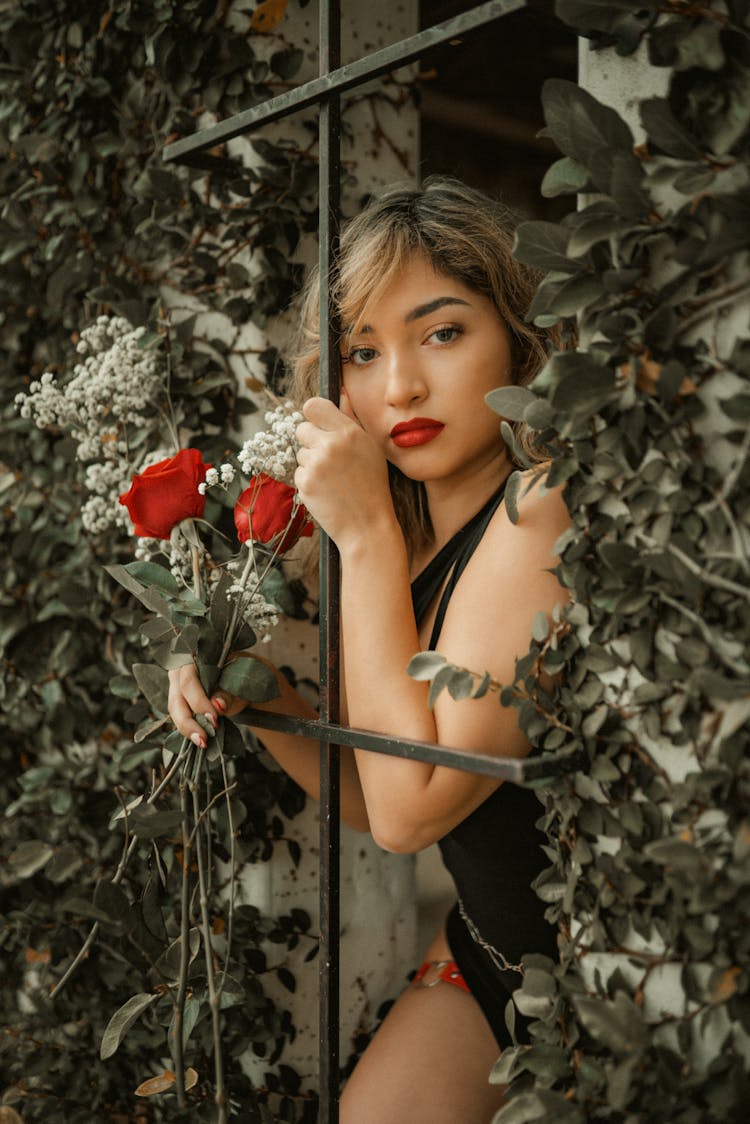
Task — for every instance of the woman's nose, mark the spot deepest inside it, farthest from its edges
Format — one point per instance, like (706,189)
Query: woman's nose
(406,383)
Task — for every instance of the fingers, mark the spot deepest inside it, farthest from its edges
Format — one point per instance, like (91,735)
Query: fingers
(186,699)
(322,413)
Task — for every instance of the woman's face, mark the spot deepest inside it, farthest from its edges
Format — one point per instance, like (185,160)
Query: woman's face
(417,372)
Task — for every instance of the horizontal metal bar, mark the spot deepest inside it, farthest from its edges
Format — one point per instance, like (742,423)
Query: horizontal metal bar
(520,770)
(344,78)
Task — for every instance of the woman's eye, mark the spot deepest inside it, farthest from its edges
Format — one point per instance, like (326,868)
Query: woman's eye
(445,335)
(361,355)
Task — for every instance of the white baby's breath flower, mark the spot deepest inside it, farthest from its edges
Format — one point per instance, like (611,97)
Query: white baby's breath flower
(114,390)
(273,450)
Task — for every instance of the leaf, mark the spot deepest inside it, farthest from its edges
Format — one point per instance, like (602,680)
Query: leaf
(148,597)
(148,823)
(581,126)
(540,626)
(723,983)
(425,665)
(112,900)
(592,226)
(510,401)
(544,245)
(150,574)
(439,682)
(268,15)
(29,857)
(287,63)
(617,1024)
(189,1018)
(168,963)
(580,383)
(286,979)
(564,298)
(665,132)
(158,1084)
(564,177)
(510,498)
(9,1115)
(249,679)
(153,682)
(121,1022)
(460,684)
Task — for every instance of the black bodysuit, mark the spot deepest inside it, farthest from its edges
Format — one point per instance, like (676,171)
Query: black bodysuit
(495,853)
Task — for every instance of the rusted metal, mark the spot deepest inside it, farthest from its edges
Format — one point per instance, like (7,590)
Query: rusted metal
(340,79)
(329,190)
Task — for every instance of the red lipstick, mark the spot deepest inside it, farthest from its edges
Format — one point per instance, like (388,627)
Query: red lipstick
(416,431)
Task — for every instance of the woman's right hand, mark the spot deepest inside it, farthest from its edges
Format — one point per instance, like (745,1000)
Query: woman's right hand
(187,698)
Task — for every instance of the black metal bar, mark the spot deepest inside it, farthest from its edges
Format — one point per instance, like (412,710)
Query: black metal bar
(520,770)
(329,190)
(342,78)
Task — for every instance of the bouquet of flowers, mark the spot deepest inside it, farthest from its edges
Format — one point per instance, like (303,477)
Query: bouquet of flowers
(209,591)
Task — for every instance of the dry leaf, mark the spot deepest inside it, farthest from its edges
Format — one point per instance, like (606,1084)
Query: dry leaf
(37,956)
(268,15)
(163,1082)
(9,1115)
(726,985)
(647,376)
(158,1084)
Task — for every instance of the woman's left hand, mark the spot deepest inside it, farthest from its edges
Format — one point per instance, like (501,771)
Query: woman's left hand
(342,476)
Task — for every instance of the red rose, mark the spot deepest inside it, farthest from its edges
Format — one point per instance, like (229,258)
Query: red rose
(163,495)
(264,511)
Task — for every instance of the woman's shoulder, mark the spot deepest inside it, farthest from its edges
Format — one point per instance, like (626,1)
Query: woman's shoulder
(508,580)
(515,553)
(540,511)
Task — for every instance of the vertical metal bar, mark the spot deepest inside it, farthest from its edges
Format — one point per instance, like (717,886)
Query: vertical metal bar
(329,141)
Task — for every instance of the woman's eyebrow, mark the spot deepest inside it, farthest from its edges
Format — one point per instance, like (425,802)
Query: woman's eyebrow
(432,306)
(419,311)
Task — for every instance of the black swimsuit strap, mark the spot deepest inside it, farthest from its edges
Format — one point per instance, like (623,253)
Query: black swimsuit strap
(454,557)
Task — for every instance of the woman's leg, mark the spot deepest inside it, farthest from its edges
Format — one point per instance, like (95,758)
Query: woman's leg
(428,1063)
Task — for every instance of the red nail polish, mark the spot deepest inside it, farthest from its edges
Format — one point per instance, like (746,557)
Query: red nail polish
(219,704)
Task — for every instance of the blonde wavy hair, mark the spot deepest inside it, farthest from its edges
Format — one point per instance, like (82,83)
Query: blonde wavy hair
(465,235)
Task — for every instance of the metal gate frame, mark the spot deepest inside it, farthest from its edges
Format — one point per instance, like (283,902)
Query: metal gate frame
(325,92)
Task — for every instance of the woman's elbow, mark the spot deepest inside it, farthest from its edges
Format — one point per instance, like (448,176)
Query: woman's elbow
(397,837)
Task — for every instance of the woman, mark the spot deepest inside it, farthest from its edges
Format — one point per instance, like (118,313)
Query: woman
(406,475)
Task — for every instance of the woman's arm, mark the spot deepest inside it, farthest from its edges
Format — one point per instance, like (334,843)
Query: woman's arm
(342,479)
(298,756)
(487,628)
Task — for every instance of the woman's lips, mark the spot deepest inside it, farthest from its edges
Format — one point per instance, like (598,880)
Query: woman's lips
(417,431)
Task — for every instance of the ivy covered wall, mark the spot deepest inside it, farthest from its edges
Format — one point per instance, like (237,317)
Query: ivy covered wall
(93,222)
(647,1018)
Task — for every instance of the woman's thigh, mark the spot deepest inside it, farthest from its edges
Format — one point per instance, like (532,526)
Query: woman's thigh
(428,1063)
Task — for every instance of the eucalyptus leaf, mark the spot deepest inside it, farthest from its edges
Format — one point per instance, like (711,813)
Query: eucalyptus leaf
(510,496)
(665,132)
(544,245)
(564,177)
(425,665)
(510,401)
(249,679)
(580,125)
(150,574)
(29,857)
(121,1022)
(154,683)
